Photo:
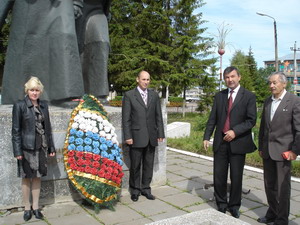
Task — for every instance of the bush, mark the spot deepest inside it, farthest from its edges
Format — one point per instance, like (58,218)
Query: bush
(175,102)
(117,101)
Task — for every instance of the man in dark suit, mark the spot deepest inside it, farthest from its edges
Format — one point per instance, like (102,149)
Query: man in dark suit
(143,129)
(279,133)
(233,115)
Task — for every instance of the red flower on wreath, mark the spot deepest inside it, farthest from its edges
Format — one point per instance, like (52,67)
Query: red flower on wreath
(96,164)
(79,154)
(88,156)
(71,153)
(96,157)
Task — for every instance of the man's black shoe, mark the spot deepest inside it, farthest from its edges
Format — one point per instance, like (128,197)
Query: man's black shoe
(222,210)
(134,197)
(148,196)
(27,215)
(265,220)
(235,213)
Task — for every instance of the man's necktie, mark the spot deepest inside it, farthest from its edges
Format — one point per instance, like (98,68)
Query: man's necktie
(227,122)
(144,96)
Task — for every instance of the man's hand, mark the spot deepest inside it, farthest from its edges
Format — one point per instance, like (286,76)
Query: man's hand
(19,157)
(229,136)
(291,156)
(160,139)
(205,144)
(129,141)
(52,154)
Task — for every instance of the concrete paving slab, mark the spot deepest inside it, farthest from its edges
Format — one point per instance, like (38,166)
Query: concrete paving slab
(75,219)
(201,206)
(174,168)
(150,207)
(183,200)
(257,195)
(121,214)
(172,177)
(169,214)
(189,173)
(164,191)
(136,222)
(248,204)
(62,209)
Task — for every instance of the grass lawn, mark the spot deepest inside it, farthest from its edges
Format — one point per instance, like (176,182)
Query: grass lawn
(193,143)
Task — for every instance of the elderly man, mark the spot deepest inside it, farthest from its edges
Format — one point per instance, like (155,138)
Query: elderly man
(279,143)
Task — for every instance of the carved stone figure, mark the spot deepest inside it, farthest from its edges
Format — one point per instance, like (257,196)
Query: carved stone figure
(93,40)
(43,43)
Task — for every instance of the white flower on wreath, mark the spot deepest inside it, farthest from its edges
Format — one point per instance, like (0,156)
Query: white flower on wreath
(95,130)
(93,123)
(75,125)
(82,126)
(105,123)
(99,119)
(108,136)
(94,116)
(114,139)
(107,129)
(87,115)
(102,133)
(100,126)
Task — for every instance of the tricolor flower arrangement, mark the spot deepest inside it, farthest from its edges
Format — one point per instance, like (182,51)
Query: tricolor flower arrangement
(92,155)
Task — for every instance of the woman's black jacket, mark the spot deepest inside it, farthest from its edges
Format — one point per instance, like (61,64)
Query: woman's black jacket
(23,126)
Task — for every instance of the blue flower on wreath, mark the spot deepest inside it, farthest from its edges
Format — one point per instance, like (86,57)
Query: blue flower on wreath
(88,141)
(109,143)
(96,150)
(79,148)
(119,161)
(78,141)
(73,131)
(87,148)
(114,152)
(104,154)
(95,136)
(71,147)
(89,134)
(71,139)
(103,147)
(111,157)
(79,133)
(96,144)
(102,140)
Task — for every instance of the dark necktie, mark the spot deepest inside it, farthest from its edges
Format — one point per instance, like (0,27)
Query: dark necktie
(227,122)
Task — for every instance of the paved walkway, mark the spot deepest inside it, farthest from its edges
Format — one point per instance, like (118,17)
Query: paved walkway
(183,193)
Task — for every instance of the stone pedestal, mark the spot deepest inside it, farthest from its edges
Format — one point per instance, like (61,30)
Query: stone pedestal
(55,186)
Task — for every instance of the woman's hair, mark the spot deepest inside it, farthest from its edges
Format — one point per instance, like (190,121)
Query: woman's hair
(34,83)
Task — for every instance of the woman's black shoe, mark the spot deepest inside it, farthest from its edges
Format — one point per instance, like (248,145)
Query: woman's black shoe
(27,215)
(38,214)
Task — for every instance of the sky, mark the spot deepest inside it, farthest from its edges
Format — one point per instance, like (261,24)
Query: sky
(249,29)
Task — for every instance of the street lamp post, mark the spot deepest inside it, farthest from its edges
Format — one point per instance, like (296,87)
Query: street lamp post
(295,49)
(275,38)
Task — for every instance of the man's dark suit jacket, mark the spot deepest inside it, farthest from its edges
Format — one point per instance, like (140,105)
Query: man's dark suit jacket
(242,119)
(140,122)
(283,132)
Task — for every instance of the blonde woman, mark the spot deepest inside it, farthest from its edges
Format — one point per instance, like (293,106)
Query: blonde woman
(32,141)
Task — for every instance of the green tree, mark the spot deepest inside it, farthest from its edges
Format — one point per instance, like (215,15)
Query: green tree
(3,44)
(261,85)
(160,36)
(240,60)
